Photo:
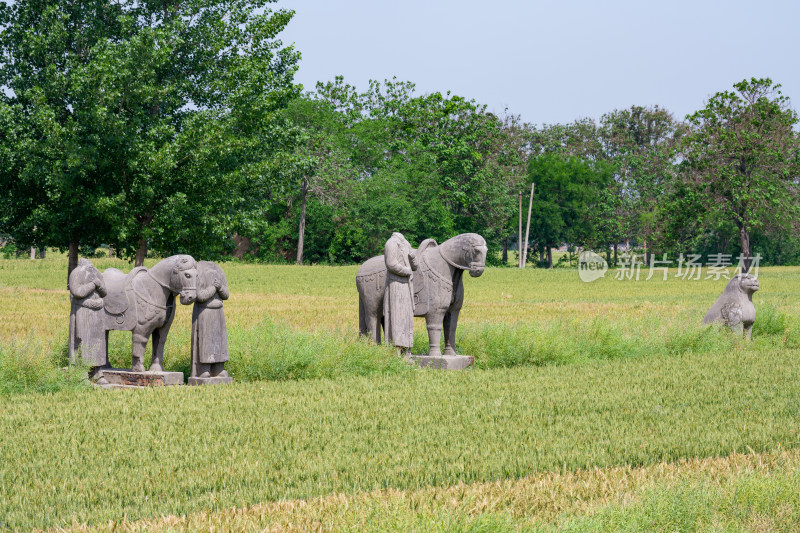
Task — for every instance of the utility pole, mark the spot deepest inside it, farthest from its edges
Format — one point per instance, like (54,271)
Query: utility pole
(519,233)
(528,228)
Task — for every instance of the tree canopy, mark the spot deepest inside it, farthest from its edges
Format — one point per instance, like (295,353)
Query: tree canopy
(176,126)
(142,123)
(740,160)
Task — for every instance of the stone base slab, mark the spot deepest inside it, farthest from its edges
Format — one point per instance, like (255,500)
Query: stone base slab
(218,380)
(122,378)
(444,362)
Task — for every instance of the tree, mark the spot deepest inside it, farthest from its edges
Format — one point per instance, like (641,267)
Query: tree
(640,142)
(327,171)
(740,160)
(428,166)
(145,123)
(52,187)
(568,191)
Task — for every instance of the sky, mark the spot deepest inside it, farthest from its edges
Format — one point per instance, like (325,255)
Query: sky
(556,61)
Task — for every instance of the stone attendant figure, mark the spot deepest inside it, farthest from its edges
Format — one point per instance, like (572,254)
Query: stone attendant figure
(398,302)
(209,332)
(87,334)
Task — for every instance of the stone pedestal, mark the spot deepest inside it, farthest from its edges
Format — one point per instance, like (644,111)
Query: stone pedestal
(122,378)
(443,362)
(210,381)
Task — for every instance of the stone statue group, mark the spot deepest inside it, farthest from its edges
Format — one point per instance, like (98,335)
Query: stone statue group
(392,289)
(143,302)
(404,283)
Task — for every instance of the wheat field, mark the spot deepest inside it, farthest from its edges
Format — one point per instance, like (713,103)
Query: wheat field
(593,407)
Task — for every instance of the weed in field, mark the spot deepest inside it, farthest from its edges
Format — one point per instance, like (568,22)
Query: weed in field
(27,366)
(770,321)
(272,351)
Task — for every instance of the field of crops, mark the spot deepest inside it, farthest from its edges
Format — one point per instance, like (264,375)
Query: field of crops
(593,407)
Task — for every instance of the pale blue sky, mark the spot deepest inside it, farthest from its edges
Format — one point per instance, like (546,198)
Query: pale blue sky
(552,61)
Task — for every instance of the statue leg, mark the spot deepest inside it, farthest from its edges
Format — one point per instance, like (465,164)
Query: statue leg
(203,370)
(748,332)
(434,323)
(139,346)
(450,323)
(362,317)
(372,322)
(159,340)
(218,370)
(108,365)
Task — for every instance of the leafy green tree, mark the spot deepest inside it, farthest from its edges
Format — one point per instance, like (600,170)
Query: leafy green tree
(429,166)
(53,187)
(146,123)
(640,142)
(740,160)
(327,172)
(568,192)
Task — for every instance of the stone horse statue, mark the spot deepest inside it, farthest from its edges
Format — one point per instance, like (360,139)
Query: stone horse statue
(143,302)
(437,286)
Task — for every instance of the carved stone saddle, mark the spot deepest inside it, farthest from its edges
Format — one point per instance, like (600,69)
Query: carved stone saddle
(120,300)
(429,286)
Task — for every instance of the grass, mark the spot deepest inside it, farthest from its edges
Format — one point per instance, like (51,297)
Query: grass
(93,456)
(324,298)
(574,381)
(289,322)
(739,492)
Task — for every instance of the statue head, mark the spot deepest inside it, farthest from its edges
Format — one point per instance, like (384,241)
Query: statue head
(402,238)
(475,250)
(748,283)
(183,278)
(207,272)
(745,284)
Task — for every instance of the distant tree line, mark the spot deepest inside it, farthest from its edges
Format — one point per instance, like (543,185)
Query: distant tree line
(165,127)
(725,180)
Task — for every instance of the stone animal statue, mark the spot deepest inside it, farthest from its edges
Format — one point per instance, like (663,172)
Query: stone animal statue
(143,302)
(734,308)
(437,287)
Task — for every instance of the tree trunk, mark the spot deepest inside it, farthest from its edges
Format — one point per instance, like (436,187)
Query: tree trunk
(549,257)
(72,261)
(301,232)
(141,253)
(608,255)
(615,253)
(744,240)
(42,252)
(505,251)
(33,252)
(541,255)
